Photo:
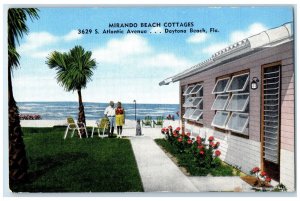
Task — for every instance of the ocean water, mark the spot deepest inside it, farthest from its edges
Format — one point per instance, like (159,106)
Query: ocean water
(94,111)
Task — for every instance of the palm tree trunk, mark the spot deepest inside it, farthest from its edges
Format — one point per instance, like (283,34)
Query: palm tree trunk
(18,164)
(81,115)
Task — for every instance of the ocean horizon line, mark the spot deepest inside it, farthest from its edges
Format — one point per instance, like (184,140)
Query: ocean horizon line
(96,102)
(63,109)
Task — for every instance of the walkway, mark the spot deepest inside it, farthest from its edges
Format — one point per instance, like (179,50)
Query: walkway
(160,174)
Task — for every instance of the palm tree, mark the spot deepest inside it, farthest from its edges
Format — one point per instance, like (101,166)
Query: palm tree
(74,71)
(18,164)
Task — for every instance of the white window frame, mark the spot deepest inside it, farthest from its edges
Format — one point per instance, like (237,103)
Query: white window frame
(194,88)
(201,99)
(245,126)
(225,123)
(226,78)
(185,91)
(245,105)
(184,116)
(185,104)
(245,84)
(195,119)
(225,105)
(200,119)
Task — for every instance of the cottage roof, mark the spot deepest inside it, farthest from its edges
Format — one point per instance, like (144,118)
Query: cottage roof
(266,39)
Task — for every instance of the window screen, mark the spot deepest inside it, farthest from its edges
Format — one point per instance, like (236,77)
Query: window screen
(238,83)
(188,113)
(188,102)
(220,119)
(196,89)
(188,90)
(220,102)
(238,122)
(196,115)
(238,102)
(220,86)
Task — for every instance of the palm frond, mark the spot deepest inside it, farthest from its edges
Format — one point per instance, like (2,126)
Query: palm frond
(16,29)
(13,57)
(74,69)
(16,23)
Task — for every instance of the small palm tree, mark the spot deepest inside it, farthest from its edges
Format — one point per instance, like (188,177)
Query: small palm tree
(18,164)
(74,71)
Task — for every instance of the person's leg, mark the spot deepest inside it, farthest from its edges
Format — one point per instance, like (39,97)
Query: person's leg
(118,126)
(112,126)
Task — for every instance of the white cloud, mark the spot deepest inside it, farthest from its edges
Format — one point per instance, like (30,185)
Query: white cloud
(72,35)
(37,44)
(134,50)
(234,37)
(36,40)
(253,29)
(197,38)
(157,30)
(118,50)
(166,60)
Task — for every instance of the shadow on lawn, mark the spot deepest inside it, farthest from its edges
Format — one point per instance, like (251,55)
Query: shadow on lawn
(48,163)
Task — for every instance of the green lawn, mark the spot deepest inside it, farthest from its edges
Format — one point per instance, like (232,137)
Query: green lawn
(187,161)
(78,165)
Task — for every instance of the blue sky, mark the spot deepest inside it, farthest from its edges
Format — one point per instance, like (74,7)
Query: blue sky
(130,66)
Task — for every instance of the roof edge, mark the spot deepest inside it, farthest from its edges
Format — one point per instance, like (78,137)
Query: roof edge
(268,38)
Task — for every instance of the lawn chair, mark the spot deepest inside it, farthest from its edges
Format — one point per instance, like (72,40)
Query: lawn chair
(102,126)
(159,121)
(147,121)
(72,125)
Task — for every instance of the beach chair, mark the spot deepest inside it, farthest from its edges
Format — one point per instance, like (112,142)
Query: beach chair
(147,121)
(159,121)
(72,125)
(102,126)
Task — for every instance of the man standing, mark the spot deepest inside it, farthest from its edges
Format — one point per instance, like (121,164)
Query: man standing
(110,114)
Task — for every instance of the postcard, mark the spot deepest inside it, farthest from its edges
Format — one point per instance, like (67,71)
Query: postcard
(156,99)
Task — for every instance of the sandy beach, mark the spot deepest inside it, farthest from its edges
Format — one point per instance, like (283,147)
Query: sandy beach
(128,128)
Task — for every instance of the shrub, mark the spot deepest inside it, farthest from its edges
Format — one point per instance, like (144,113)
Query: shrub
(205,153)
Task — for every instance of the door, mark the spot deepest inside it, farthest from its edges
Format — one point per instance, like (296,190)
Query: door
(270,125)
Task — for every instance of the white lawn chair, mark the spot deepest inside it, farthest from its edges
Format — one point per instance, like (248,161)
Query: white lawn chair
(103,125)
(72,125)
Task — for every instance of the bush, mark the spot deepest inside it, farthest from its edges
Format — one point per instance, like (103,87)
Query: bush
(199,157)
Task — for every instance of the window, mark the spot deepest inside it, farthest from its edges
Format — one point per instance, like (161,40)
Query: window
(221,85)
(238,122)
(188,102)
(196,115)
(188,90)
(220,102)
(238,83)
(193,102)
(196,89)
(231,103)
(188,113)
(238,102)
(220,119)
(196,102)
